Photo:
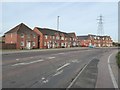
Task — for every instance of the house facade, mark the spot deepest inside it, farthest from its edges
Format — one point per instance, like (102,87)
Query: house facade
(25,38)
(74,40)
(94,40)
(22,36)
(49,38)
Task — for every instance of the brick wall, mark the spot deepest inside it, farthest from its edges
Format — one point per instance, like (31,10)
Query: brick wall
(7,46)
(11,38)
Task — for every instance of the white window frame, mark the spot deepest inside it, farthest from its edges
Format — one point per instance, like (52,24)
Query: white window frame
(22,35)
(33,43)
(21,43)
(45,44)
(62,38)
(46,36)
(57,37)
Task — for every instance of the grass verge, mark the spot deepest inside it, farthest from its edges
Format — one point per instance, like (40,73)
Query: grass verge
(118,59)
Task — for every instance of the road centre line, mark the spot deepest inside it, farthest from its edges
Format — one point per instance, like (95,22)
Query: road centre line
(111,73)
(27,63)
(57,73)
(63,66)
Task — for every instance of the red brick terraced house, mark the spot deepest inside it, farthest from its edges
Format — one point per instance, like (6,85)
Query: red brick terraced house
(49,38)
(74,40)
(84,41)
(22,36)
(94,40)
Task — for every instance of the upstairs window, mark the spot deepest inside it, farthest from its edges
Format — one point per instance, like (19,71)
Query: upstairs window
(22,35)
(34,36)
(57,37)
(46,36)
(62,38)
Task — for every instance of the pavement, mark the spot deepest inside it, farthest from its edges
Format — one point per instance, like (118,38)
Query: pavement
(66,68)
(38,50)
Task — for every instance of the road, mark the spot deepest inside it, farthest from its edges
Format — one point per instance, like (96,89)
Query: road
(69,68)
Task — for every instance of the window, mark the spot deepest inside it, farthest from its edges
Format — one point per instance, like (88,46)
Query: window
(33,43)
(57,37)
(62,38)
(62,44)
(53,37)
(46,36)
(34,36)
(44,43)
(94,37)
(22,35)
(22,43)
(98,37)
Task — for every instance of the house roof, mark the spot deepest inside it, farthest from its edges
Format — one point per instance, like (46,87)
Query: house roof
(83,37)
(71,34)
(51,32)
(20,28)
(47,31)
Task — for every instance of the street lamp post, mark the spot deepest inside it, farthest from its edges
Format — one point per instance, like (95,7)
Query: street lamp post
(58,22)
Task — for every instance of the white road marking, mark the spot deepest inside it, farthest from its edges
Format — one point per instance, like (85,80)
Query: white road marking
(45,81)
(78,75)
(111,73)
(75,61)
(63,66)
(27,63)
(58,53)
(51,57)
(17,59)
(58,73)
(43,78)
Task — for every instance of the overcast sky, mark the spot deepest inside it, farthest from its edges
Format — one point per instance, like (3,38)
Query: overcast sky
(79,17)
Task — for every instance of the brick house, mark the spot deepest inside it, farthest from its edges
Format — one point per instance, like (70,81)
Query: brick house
(106,41)
(22,36)
(84,41)
(74,41)
(49,38)
(94,40)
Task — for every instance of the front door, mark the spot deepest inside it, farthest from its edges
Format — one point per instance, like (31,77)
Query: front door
(28,45)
